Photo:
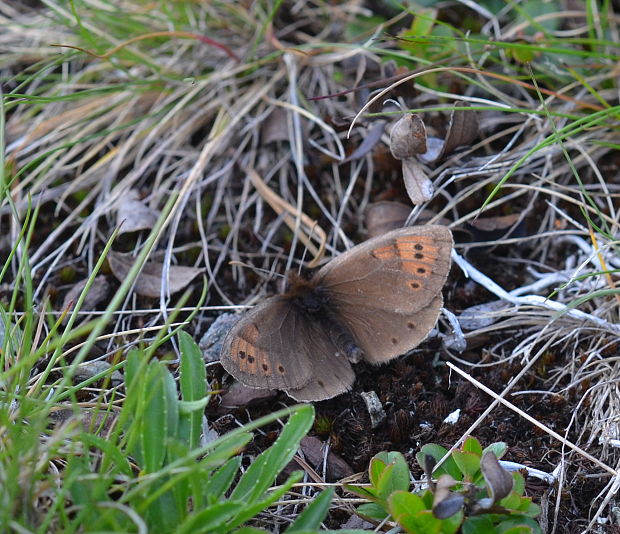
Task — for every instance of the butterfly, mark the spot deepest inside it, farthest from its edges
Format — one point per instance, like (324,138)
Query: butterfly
(374,302)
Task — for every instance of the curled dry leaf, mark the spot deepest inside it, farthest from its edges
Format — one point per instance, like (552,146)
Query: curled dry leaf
(387,215)
(492,229)
(149,281)
(445,502)
(492,224)
(134,215)
(240,396)
(462,130)
(418,185)
(499,481)
(408,137)
(98,291)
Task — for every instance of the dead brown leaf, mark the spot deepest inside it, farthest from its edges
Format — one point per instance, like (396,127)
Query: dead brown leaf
(134,215)
(418,185)
(148,283)
(97,292)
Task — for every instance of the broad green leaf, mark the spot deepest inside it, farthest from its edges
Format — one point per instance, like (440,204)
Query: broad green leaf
(313,515)
(390,473)
(438,452)
(518,525)
(422,522)
(519,484)
(373,511)
(132,366)
(451,525)
(191,408)
(263,471)
(521,529)
(478,525)
(401,475)
(528,508)
(511,502)
(468,463)
(472,445)
(383,485)
(160,416)
(193,384)
(531,9)
(422,23)
(163,514)
(402,503)
(378,463)
(498,448)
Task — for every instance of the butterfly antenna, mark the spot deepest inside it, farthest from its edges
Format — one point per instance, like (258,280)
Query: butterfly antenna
(269,272)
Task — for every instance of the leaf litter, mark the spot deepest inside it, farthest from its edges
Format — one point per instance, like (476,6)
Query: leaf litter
(203,140)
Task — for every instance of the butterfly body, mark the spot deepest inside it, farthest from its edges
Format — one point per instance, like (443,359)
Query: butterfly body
(375,301)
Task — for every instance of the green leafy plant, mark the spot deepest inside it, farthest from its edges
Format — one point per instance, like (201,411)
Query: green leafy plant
(147,467)
(177,484)
(469,492)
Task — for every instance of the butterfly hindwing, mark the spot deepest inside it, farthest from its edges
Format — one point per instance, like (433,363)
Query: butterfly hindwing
(266,347)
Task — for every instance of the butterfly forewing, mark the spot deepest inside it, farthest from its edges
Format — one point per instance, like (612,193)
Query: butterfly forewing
(400,271)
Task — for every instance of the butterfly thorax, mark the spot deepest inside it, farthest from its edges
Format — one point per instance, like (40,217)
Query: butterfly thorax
(313,301)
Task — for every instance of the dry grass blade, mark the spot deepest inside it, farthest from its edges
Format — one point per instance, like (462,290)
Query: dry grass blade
(300,223)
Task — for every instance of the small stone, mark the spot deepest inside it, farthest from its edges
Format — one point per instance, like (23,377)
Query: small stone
(374,407)
(211,341)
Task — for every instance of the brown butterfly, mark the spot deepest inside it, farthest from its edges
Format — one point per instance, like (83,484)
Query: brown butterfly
(375,301)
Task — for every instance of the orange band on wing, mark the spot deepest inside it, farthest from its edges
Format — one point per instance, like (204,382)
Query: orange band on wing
(248,357)
(417,254)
